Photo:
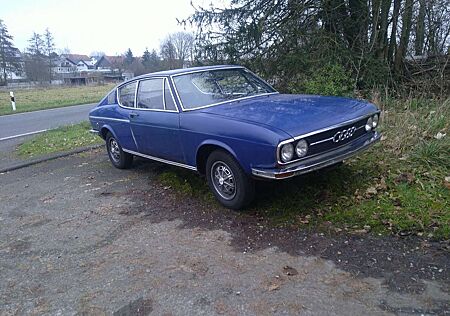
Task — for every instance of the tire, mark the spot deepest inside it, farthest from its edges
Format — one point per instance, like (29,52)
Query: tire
(117,156)
(231,186)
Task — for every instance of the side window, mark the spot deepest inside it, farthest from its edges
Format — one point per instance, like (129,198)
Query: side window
(150,94)
(112,97)
(170,105)
(126,94)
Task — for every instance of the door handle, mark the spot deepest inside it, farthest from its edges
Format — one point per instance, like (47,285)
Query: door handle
(133,115)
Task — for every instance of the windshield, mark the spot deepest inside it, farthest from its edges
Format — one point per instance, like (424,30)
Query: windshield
(215,86)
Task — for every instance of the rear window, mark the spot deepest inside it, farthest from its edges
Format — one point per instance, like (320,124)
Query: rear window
(126,94)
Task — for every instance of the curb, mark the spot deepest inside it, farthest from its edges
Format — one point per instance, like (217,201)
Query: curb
(35,161)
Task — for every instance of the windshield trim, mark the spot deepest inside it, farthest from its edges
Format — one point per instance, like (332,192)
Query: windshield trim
(222,102)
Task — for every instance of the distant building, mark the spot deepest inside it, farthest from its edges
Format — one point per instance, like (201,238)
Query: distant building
(63,65)
(110,63)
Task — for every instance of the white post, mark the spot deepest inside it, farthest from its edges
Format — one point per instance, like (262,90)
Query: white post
(13,101)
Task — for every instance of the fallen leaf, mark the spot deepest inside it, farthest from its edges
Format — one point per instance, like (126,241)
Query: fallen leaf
(371,191)
(273,287)
(382,185)
(359,231)
(447,182)
(405,177)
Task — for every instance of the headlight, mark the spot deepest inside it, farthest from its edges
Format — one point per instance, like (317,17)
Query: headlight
(375,119)
(369,124)
(287,152)
(302,148)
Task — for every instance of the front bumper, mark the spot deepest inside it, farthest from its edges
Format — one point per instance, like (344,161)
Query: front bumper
(94,131)
(320,161)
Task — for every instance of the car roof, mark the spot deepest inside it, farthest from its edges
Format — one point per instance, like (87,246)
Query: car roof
(185,70)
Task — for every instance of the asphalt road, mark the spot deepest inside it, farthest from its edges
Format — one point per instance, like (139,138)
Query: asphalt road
(79,237)
(21,124)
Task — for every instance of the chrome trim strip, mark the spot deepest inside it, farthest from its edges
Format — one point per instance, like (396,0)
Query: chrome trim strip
(321,141)
(160,160)
(203,70)
(314,133)
(218,103)
(302,169)
(171,94)
(109,119)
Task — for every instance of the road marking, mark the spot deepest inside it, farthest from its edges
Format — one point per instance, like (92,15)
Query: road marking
(24,134)
(52,109)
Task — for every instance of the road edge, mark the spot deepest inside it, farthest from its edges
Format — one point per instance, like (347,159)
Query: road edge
(35,161)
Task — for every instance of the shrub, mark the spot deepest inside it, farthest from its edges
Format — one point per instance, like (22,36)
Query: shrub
(332,79)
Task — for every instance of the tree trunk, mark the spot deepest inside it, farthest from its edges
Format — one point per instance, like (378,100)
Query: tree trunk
(357,24)
(393,38)
(376,5)
(404,37)
(420,29)
(383,22)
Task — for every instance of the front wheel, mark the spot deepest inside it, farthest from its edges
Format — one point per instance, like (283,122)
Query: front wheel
(118,157)
(230,184)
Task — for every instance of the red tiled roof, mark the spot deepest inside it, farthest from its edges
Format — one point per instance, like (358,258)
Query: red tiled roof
(115,59)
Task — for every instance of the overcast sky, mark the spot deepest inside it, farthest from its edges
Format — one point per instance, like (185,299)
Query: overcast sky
(84,26)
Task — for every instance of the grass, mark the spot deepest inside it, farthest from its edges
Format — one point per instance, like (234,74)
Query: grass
(396,187)
(51,97)
(59,140)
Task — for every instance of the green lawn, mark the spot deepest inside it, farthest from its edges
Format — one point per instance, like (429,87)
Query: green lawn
(59,140)
(398,186)
(52,97)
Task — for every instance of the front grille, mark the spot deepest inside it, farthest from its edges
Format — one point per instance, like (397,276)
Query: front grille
(335,137)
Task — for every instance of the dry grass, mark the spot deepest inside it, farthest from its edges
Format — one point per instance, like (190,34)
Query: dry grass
(398,186)
(51,97)
(59,140)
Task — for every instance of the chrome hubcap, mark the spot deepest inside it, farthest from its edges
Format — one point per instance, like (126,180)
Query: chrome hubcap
(223,180)
(114,150)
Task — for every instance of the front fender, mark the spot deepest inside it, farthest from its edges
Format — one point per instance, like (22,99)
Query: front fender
(218,144)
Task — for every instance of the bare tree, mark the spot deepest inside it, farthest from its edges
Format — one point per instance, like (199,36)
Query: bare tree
(35,61)
(49,50)
(177,49)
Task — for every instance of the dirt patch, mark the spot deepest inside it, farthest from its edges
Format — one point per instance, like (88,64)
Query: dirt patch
(402,261)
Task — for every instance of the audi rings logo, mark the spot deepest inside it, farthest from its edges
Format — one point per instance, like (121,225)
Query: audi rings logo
(344,134)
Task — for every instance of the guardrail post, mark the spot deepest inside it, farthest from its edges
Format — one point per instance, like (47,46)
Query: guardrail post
(13,101)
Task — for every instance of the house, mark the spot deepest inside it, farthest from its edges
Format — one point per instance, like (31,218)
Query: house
(110,63)
(63,65)
(85,65)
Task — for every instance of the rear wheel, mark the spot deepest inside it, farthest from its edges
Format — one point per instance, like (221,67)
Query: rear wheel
(118,157)
(230,184)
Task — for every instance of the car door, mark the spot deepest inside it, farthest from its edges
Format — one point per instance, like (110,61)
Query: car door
(155,120)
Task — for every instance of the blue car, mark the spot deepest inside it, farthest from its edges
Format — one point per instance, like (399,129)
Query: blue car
(231,126)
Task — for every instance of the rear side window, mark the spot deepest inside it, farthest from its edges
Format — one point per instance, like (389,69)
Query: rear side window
(112,98)
(150,94)
(126,94)
(170,105)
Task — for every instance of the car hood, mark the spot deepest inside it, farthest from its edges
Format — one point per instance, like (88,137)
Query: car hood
(294,114)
